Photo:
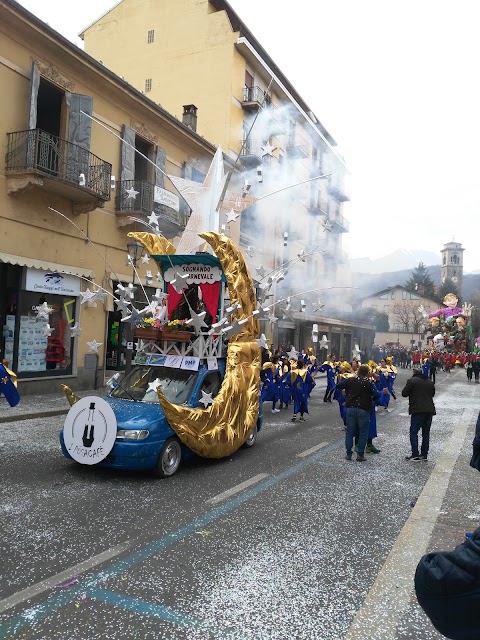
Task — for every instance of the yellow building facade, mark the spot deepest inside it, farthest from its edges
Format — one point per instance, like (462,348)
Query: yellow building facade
(201,62)
(77,142)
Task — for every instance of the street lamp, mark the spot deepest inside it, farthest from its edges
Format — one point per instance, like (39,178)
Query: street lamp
(135,250)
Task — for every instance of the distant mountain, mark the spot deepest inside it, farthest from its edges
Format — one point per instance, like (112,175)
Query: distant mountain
(365,284)
(395,261)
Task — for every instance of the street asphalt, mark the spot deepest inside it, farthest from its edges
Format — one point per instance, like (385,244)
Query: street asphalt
(283,541)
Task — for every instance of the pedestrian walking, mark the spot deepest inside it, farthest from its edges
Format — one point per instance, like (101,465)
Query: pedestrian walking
(476,368)
(420,392)
(469,368)
(360,393)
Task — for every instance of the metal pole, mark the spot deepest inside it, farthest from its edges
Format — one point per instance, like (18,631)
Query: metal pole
(130,330)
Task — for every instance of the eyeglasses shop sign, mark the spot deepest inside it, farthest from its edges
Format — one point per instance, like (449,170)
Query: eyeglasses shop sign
(52,282)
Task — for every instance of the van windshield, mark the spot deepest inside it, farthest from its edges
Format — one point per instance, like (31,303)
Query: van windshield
(176,384)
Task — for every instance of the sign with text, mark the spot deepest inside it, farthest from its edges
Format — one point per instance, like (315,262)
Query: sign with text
(191,363)
(90,430)
(156,360)
(61,284)
(198,273)
(169,199)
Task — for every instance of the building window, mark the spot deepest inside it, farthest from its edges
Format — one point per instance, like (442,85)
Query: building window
(148,85)
(384,296)
(413,296)
(404,295)
(393,296)
(151,36)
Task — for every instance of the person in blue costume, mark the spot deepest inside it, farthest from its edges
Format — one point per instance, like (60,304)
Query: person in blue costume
(329,367)
(426,366)
(271,383)
(392,377)
(8,387)
(285,383)
(302,385)
(384,373)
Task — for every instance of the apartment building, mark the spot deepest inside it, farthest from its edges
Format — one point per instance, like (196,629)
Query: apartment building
(201,62)
(75,179)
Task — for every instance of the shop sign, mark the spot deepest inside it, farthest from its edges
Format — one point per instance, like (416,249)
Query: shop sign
(90,430)
(54,282)
(169,199)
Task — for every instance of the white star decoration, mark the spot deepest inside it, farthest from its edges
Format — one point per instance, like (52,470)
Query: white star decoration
(267,149)
(146,259)
(292,354)
(197,320)
(301,255)
(324,342)
(327,225)
(43,311)
(206,399)
(272,319)
(153,219)
(94,345)
(153,386)
(318,305)
(159,296)
(179,282)
(75,330)
(133,318)
(126,292)
(131,193)
(262,342)
(261,271)
(232,215)
(122,304)
(47,330)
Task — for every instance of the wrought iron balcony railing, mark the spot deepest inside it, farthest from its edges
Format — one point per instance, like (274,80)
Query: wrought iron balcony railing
(171,221)
(297,146)
(256,96)
(37,151)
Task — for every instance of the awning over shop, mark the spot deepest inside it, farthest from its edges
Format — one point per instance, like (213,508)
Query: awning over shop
(22,261)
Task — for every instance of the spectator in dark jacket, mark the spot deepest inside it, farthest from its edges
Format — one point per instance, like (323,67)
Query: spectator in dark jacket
(360,392)
(475,461)
(447,585)
(420,391)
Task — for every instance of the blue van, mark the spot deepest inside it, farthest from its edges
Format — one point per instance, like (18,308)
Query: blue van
(145,440)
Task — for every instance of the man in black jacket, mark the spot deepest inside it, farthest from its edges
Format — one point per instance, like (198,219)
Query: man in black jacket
(360,392)
(420,391)
(447,585)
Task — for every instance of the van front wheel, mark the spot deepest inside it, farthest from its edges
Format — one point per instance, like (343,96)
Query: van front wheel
(169,459)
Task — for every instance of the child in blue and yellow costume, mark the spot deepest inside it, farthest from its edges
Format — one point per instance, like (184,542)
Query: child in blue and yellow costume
(329,367)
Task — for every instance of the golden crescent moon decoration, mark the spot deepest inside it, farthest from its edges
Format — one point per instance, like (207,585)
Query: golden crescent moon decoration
(154,245)
(222,428)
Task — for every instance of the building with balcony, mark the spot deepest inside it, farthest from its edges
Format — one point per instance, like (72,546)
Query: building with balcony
(76,179)
(200,51)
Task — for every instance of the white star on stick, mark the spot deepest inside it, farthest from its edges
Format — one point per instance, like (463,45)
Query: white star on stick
(262,341)
(179,282)
(47,330)
(133,318)
(75,330)
(232,215)
(301,255)
(261,271)
(99,295)
(206,399)
(126,292)
(272,318)
(267,149)
(318,305)
(324,342)
(197,320)
(122,304)
(159,296)
(153,219)
(292,354)
(131,193)
(94,345)
(43,311)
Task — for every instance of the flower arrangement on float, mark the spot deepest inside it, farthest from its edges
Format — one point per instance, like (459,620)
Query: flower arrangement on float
(151,328)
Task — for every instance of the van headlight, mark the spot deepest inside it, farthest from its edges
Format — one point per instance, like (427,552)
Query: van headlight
(132,434)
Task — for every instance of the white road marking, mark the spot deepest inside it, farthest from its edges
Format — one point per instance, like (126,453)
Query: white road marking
(389,597)
(237,488)
(306,453)
(59,578)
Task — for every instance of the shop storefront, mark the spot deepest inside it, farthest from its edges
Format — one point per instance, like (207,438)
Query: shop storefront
(32,344)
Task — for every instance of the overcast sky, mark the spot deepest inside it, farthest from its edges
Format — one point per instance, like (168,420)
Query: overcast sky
(396,84)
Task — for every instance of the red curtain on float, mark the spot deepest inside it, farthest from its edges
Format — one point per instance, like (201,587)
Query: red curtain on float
(211,294)
(173,299)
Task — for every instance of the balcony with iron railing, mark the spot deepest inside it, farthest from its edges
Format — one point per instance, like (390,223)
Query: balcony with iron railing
(339,223)
(36,158)
(252,153)
(297,146)
(277,125)
(254,97)
(318,207)
(170,221)
(337,189)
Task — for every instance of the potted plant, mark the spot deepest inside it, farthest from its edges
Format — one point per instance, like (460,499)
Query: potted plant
(173,330)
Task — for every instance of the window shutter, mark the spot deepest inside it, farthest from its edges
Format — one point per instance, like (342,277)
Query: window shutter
(128,154)
(79,133)
(34,84)
(160,165)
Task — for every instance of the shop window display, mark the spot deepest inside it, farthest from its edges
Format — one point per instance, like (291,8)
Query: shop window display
(44,345)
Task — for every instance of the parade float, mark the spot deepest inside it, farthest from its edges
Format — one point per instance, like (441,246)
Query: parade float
(449,329)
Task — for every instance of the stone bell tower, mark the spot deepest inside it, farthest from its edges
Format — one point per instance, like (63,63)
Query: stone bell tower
(452,263)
